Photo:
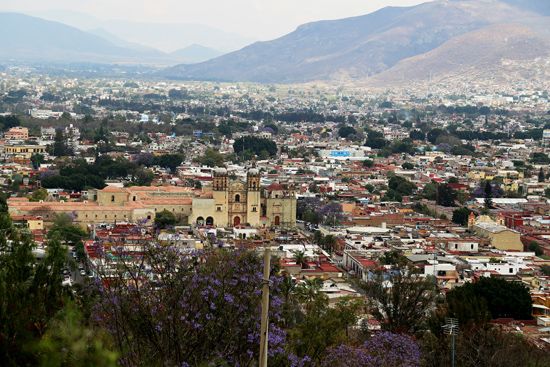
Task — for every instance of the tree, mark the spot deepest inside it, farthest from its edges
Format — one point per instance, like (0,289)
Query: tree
(37,159)
(541,175)
(255,146)
(502,299)
(417,135)
(461,215)
(488,195)
(446,195)
(60,148)
(545,269)
(383,349)
(540,158)
(171,161)
(65,231)
(211,158)
(368,163)
(69,342)
(30,295)
(535,247)
(375,140)
(407,165)
(300,258)
(434,134)
(39,195)
(165,219)
(201,310)
(400,299)
(346,131)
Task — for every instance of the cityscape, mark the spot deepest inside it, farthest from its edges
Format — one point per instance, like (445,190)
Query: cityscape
(376,196)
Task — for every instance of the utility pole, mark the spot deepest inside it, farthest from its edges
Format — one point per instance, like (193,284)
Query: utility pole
(451,328)
(265,309)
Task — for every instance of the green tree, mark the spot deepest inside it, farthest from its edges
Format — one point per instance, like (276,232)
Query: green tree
(461,215)
(541,175)
(39,195)
(70,342)
(502,299)
(60,148)
(65,231)
(165,219)
(211,158)
(37,159)
(446,195)
(535,247)
(400,299)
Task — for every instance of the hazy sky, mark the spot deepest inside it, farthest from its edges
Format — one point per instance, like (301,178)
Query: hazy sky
(258,19)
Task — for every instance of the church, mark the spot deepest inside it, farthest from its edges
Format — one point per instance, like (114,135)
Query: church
(233,203)
(227,203)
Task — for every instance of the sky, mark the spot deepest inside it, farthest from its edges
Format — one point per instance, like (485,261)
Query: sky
(255,19)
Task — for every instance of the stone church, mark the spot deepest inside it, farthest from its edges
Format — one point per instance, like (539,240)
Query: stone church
(234,203)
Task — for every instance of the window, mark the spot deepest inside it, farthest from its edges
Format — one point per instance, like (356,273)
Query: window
(237,198)
(219,209)
(134,198)
(511,270)
(112,198)
(254,209)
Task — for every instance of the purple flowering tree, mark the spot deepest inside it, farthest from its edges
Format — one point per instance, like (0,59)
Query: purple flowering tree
(383,349)
(169,308)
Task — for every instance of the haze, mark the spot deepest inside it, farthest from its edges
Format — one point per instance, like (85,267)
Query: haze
(251,19)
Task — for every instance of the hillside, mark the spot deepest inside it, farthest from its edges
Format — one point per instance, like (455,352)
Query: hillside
(499,52)
(359,47)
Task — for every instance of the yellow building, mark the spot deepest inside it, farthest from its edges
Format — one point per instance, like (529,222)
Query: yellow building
(501,237)
(227,203)
(23,152)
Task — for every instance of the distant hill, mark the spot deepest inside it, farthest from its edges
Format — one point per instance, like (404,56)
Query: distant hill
(195,53)
(361,47)
(500,53)
(29,38)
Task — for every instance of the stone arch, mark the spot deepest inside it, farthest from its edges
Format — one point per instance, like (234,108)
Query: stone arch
(209,221)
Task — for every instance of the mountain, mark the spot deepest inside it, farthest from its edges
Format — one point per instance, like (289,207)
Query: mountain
(195,54)
(35,39)
(500,53)
(361,47)
(174,36)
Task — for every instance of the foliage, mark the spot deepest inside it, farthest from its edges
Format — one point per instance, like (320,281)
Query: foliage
(383,349)
(37,159)
(65,231)
(255,145)
(400,299)
(375,140)
(501,299)
(461,215)
(540,158)
(211,158)
(201,310)
(165,219)
(38,195)
(535,247)
(446,195)
(70,342)
(30,295)
(345,131)
(78,175)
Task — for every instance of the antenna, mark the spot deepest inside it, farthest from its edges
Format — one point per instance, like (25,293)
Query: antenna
(451,328)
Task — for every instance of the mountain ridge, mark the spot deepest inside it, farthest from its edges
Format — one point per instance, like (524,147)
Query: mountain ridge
(356,48)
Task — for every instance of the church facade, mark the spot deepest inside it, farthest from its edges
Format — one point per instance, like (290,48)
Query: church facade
(234,203)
